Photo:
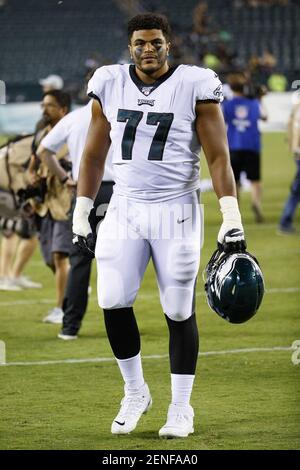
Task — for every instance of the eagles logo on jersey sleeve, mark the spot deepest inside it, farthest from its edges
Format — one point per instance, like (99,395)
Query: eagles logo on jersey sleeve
(208,86)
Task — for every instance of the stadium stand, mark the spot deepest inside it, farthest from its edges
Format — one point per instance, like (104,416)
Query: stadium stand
(38,38)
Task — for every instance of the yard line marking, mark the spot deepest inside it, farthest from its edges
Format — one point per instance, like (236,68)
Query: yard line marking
(284,290)
(26,302)
(143,296)
(155,356)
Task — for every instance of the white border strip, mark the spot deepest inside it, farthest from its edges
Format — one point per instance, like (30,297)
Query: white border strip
(156,356)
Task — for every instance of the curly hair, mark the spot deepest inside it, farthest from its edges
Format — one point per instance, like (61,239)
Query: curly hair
(149,21)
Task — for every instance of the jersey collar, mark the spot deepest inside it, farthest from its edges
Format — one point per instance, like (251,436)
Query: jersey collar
(144,87)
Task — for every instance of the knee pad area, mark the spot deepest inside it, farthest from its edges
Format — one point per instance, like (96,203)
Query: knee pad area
(183,262)
(177,303)
(111,291)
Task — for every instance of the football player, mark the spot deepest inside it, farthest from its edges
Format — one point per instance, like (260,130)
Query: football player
(155,117)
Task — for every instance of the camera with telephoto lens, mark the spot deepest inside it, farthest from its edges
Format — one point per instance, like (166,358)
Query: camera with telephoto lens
(37,193)
(66,164)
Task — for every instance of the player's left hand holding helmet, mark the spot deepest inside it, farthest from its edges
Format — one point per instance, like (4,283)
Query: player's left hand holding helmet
(234,281)
(84,230)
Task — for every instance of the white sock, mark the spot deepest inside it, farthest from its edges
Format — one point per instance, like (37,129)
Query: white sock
(182,386)
(132,372)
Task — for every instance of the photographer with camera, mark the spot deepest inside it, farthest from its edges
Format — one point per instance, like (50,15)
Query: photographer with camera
(72,130)
(17,224)
(51,199)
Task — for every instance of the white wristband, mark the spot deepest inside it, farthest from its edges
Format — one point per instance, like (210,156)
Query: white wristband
(81,214)
(230,210)
(84,204)
(231,217)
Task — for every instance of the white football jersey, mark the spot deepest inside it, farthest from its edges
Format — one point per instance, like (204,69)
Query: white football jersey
(154,143)
(72,130)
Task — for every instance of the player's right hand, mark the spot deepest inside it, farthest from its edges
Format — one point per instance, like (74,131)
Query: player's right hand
(83,235)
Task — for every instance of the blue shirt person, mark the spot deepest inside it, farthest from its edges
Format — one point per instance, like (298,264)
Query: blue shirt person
(242,115)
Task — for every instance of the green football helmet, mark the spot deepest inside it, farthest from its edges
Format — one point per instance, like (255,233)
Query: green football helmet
(234,285)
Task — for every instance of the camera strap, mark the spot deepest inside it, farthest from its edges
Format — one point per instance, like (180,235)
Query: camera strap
(17,206)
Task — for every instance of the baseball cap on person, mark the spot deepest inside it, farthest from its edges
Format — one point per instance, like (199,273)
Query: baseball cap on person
(53,81)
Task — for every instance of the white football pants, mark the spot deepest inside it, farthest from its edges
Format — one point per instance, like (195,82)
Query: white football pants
(131,233)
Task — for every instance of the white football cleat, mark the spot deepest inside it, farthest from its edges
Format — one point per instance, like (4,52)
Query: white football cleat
(133,406)
(180,422)
(54,316)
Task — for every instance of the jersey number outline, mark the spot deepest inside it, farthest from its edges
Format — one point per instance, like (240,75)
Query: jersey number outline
(132,119)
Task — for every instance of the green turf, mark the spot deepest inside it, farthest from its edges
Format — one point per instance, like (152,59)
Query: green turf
(3,140)
(241,401)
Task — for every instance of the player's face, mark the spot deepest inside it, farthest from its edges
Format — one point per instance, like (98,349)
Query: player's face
(52,111)
(149,50)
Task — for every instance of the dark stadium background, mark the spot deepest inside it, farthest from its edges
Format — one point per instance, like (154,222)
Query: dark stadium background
(39,37)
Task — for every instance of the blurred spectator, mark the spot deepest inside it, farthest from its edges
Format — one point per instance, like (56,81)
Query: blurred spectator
(200,18)
(55,227)
(17,224)
(72,130)
(258,3)
(261,68)
(131,7)
(82,97)
(227,91)
(52,82)
(242,114)
(287,217)
(8,246)
(268,62)
(15,253)
(95,60)
(177,49)
(223,53)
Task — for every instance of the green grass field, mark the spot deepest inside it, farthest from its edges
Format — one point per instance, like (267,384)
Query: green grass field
(242,400)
